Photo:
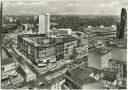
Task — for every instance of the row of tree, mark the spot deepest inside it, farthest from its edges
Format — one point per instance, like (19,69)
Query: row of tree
(75,22)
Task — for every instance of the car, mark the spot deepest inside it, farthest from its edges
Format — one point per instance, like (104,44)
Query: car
(41,84)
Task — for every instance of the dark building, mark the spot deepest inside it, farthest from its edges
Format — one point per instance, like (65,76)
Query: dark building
(121,27)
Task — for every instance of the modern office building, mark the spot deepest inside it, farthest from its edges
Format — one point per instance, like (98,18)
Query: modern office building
(44,24)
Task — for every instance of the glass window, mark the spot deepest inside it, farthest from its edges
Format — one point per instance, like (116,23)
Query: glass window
(66,51)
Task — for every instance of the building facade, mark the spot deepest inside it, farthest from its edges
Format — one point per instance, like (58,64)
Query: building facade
(99,58)
(43,50)
(69,46)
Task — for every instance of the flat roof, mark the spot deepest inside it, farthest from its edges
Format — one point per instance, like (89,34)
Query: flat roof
(109,76)
(53,78)
(100,51)
(80,75)
(6,59)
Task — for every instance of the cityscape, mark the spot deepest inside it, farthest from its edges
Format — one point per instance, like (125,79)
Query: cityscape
(60,50)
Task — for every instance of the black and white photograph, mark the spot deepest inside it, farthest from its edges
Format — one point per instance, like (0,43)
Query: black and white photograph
(63,44)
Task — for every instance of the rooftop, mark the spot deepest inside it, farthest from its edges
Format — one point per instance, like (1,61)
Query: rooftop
(47,41)
(80,75)
(69,38)
(93,85)
(6,59)
(100,51)
(109,76)
(52,78)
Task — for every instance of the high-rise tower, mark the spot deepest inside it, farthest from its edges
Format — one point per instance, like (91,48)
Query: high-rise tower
(44,24)
(122,26)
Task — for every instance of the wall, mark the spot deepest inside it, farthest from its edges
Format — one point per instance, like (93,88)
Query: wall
(94,61)
(44,23)
(105,60)
(69,46)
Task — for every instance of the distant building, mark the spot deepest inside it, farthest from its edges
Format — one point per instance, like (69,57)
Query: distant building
(89,26)
(53,81)
(63,32)
(54,23)
(99,58)
(99,34)
(101,26)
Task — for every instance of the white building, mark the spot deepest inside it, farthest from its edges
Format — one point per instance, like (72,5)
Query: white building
(99,58)
(44,24)
(101,26)
(89,26)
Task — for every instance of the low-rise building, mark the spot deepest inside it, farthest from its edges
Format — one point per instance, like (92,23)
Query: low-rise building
(8,65)
(108,79)
(117,66)
(63,32)
(9,72)
(83,78)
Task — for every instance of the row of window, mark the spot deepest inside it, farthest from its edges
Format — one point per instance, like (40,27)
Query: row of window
(113,64)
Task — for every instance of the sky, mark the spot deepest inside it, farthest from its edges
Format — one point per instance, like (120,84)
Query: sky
(64,7)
